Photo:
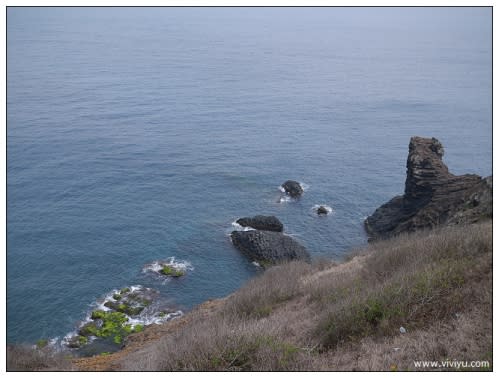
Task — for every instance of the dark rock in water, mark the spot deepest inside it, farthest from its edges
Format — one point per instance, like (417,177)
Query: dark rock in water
(77,341)
(129,308)
(168,270)
(292,188)
(321,210)
(262,222)
(132,303)
(267,247)
(112,305)
(142,296)
(433,196)
(73,342)
(88,329)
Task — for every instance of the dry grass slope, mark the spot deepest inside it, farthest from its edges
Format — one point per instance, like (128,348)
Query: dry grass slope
(437,285)
(335,317)
(29,358)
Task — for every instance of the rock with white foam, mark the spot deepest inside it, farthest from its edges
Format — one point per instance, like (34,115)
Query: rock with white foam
(292,188)
(323,209)
(262,222)
(168,268)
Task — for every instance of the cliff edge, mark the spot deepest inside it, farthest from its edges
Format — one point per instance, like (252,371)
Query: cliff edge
(433,196)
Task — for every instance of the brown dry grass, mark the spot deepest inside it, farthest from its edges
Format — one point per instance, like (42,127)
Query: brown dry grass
(338,317)
(30,358)
(438,285)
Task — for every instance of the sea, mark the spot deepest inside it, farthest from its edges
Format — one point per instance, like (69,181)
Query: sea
(136,135)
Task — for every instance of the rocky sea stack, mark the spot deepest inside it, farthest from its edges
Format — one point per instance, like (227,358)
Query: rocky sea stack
(267,245)
(262,222)
(433,196)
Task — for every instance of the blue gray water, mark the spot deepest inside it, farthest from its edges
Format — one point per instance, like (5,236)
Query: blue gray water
(137,134)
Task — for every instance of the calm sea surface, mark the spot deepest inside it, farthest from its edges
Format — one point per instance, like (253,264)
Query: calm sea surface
(140,134)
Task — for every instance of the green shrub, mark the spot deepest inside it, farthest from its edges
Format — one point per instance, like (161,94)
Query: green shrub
(431,290)
(263,311)
(42,343)
(247,352)
(437,285)
(261,295)
(138,328)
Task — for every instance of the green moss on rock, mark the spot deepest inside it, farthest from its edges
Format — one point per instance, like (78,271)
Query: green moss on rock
(88,329)
(98,314)
(134,310)
(114,323)
(82,340)
(168,270)
(42,343)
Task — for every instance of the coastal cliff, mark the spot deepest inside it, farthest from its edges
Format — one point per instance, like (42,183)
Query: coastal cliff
(418,296)
(433,196)
(424,296)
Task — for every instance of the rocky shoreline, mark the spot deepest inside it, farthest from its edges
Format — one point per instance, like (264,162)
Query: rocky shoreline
(124,312)
(375,326)
(433,196)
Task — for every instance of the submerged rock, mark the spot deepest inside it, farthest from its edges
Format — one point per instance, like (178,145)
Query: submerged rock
(169,270)
(268,247)
(292,188)
(321,210)
(77,341)
(433,196)
(262,222)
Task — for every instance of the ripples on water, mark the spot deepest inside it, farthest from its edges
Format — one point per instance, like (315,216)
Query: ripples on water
(138,134)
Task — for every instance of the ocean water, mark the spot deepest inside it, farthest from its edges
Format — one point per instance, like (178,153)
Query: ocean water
(141,134)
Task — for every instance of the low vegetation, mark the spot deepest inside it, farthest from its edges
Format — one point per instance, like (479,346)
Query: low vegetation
(114,325)
(436,285)
(169,270)
(36,358)
(420,297)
